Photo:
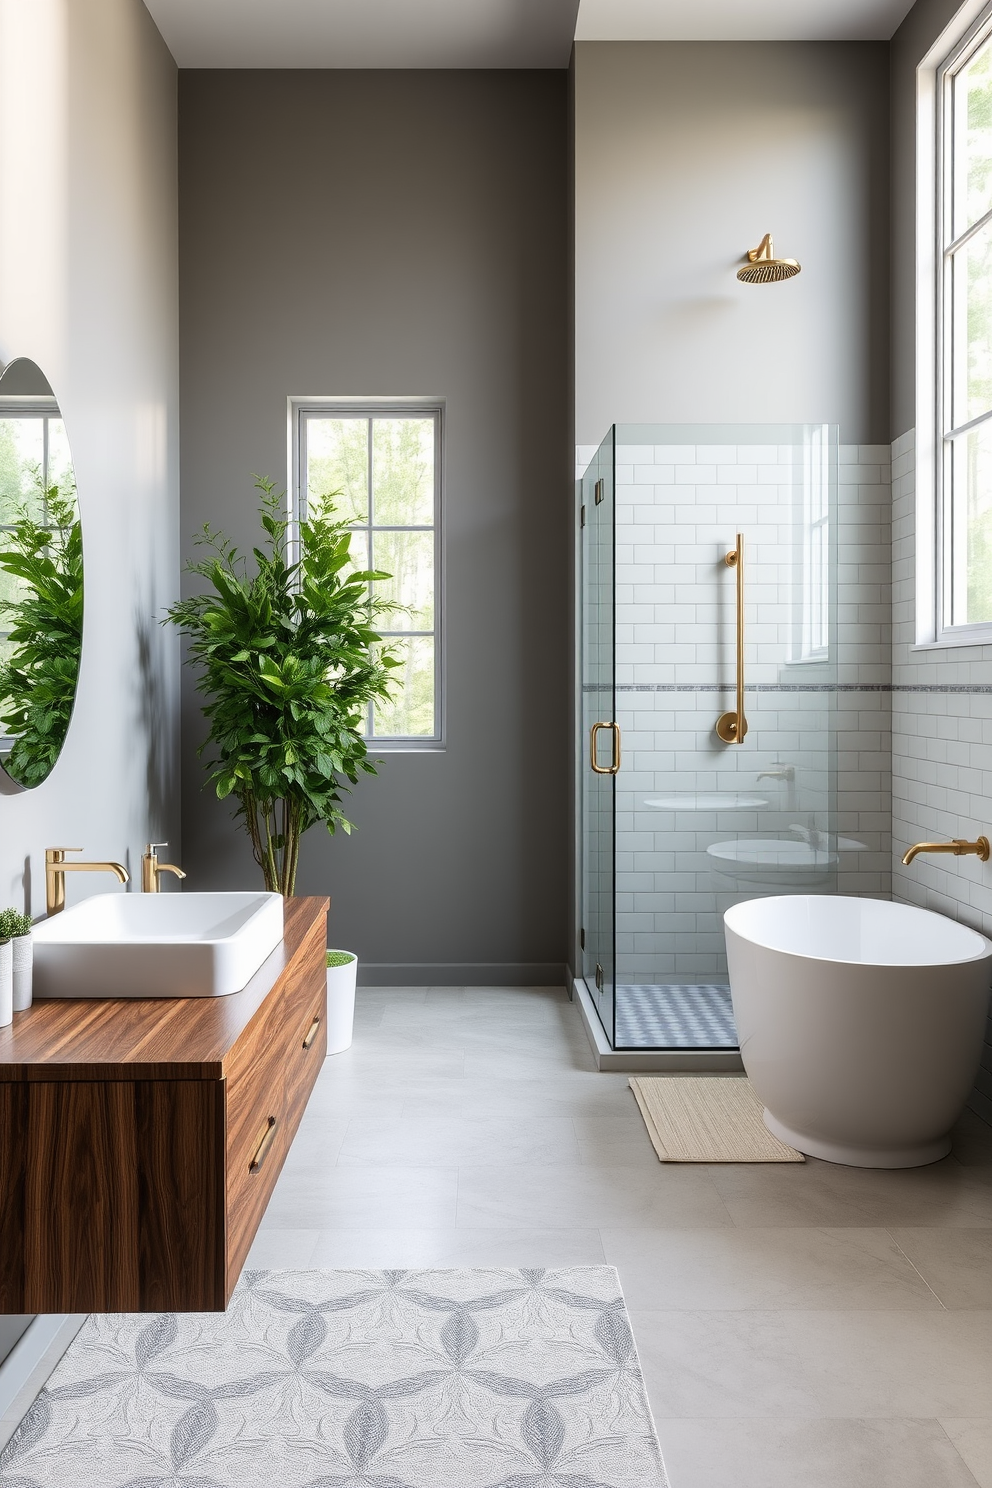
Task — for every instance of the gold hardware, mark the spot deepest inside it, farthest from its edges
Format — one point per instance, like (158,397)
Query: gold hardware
(958,847)
(614,766)
(311,1033)
(763,267)
(788,773)
(731,727)
(56,868)
(151,868)
(262,1150)
(600,491)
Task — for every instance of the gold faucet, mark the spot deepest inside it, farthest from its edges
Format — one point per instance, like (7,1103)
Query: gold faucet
(958,847)
(788,772)
(151,868)
(56,869)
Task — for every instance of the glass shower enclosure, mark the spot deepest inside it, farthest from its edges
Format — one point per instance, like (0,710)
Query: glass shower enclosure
(707,717)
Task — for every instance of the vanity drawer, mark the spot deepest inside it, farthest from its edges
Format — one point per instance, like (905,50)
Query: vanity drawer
(270,1075)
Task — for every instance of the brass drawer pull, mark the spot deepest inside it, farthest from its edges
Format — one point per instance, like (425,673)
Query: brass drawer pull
(311,1033)
(262,1151)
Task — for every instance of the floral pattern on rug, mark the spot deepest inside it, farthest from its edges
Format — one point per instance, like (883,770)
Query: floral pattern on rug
(353,1379)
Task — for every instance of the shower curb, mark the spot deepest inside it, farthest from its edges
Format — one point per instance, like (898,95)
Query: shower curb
(636,1061)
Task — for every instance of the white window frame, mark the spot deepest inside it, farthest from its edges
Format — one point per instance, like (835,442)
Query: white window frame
(414,407)
(970,28)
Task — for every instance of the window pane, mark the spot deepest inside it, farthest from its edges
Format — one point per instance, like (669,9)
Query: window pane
(21,452)
(410,714)
(972,328)
(359,551)
(971,528)
(973,139)
(403,472)
(60,471)
(409,558)
(338,465)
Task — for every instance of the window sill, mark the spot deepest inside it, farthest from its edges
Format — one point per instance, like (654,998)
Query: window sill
(973,642)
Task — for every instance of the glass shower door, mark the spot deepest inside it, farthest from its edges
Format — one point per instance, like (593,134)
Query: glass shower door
(599,744)
(705,818)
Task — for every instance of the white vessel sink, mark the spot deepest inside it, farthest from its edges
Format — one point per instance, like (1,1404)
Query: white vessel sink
(156,945)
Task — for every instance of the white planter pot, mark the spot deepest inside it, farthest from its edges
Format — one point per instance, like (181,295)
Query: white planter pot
(22,947)
(6,984)
(341,1005)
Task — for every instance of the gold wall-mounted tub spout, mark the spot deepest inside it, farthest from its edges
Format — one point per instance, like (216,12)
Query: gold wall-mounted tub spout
(958,847)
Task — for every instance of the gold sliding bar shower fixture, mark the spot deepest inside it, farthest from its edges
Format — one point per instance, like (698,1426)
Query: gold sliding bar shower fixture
(763,267)
(613,767)
(958,847)
(731,727)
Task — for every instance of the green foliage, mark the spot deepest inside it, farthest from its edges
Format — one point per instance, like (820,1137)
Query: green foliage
(45,634)
(13,923)
(340,958)
(289,659)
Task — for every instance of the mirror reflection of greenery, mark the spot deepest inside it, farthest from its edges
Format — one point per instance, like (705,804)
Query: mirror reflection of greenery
(43,625)
(289,657)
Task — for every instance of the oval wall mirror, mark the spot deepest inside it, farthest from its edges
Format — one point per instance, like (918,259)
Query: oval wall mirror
(41,578)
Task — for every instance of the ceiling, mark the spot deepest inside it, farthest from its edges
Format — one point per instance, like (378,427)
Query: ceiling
(739,20)
(367,33)
(487,33)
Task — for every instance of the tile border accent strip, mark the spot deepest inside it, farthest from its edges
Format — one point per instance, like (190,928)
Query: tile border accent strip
(975,688)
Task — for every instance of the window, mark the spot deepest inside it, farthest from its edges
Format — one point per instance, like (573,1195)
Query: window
(961,473)
(381,465)
(34,457)
(813,638)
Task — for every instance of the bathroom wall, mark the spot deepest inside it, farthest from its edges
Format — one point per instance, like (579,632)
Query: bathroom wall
(88,289)
(384,234)
(942,699)
(686,154)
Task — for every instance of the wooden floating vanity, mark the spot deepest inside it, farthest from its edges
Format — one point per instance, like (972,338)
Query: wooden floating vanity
(140,1140)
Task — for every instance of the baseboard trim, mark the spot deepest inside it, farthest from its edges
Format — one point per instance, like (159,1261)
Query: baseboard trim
(461,974)
(644,1061)
(29,1364)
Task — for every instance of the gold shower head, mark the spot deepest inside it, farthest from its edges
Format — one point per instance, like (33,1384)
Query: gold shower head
(763,267)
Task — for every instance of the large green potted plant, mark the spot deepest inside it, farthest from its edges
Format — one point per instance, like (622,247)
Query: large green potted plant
(289,658)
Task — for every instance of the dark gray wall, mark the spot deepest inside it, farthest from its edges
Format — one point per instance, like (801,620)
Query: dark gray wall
(385,234)
(686,154)
(910,45)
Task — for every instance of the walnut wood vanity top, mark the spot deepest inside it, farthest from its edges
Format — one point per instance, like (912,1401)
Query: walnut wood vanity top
(181,1038)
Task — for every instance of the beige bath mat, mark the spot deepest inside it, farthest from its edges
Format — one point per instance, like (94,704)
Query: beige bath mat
(707,1120)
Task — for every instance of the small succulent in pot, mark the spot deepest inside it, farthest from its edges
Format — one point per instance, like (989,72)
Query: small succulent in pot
(16,928)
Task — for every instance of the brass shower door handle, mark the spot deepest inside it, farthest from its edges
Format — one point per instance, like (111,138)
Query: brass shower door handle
(614,766)
(731,727)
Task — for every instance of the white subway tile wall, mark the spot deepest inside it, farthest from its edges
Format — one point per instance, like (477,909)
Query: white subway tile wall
(678,510)
(941,760)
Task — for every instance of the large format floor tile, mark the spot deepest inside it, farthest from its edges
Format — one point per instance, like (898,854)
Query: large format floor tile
(799,1325)
(783,1453)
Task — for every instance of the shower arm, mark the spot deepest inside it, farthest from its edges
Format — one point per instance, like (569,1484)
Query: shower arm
(731,727)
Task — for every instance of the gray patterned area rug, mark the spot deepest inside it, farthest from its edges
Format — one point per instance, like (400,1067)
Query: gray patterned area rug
(354,1379)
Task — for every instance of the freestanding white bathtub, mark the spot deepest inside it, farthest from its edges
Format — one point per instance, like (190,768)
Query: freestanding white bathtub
(860,1023)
